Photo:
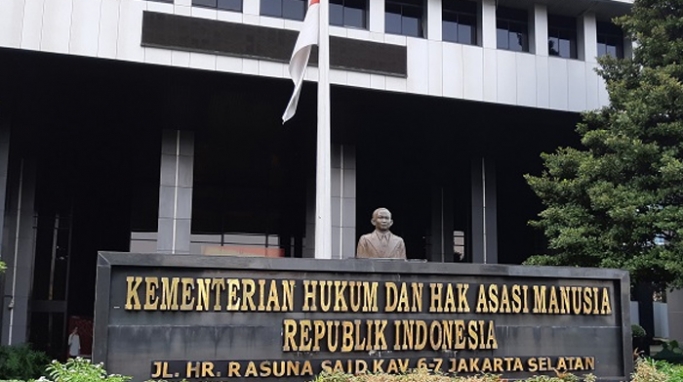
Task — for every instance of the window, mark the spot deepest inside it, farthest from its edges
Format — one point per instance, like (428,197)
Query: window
(225,5)
(460,21)
(610,40)
(562,36)
(512,29)
(405,17)
(162,1)
(288,9)
(348,13)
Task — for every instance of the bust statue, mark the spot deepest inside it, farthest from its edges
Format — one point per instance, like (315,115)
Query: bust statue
(381,243)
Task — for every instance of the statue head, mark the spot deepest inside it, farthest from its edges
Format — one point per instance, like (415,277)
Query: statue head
(381,219)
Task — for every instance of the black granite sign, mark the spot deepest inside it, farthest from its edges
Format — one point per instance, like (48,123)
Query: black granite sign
(224,318)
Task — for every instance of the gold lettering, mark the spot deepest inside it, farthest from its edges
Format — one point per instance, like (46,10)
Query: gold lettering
(132,297)
(482,303)
(552,304)
(288,333)
(516,299)
(347,336)
(493,298)
(151,300)
(248,291)
(370,296)
(340,301)
(169,295)
(587,301)
(416,289)
(273,303)
(203,288)
(325,295)
(391,291)
(188,299)
(606,307)
(309,296)
(539,299)
(318,333)
(233,302)
(218,285)
(435,297)
(304,339)
(504,300)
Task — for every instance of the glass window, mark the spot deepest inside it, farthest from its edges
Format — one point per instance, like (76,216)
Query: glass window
(349,13)
(459,21)
(610,40)
(404,17)
(512,29)
(224,5)
(162,1)
(287,9)
(562,36)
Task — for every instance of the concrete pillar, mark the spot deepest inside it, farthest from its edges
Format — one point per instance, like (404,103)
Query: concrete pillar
(4,169)
(488,24)
(175,191)
(538,30)
(343,205)
(376,15)
(484,212)
(18,250)
(343,201)
(587,37)
(674,302)
(434,20)
(441,236)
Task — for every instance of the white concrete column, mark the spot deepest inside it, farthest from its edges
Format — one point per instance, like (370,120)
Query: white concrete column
(488,24)
(251,7)
(674,302)
(343,205)
(538,30)
(376,17)
(587,37)
(434,20)
(175,191)
(19,251)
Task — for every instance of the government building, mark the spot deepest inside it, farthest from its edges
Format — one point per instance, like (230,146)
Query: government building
(155,126)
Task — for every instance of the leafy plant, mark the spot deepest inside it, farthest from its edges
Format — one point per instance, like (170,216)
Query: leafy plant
(637,331)
(80,370)
(21,362)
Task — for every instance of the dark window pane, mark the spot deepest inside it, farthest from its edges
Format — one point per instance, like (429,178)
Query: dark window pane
(449,31)
(392,23)
(354,17)
(553,46)
(411,26)
(336,14)
(466,34)
(230,5)
(204,3)
(293,9)
(612,51)
(602,50)
(516,42)
(274,8)
(502,37)
(565,50)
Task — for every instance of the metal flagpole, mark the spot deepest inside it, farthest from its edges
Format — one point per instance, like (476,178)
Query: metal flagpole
(323,202)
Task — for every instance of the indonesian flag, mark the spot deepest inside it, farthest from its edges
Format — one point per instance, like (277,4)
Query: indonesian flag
(302,50)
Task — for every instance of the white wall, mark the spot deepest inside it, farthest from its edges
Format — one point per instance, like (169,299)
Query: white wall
(112,29)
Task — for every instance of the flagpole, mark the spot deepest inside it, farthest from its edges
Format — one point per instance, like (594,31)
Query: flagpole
(323,202)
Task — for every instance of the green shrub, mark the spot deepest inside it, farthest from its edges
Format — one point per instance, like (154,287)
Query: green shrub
(80,370)
(21,362)
(423,375)
(637,331)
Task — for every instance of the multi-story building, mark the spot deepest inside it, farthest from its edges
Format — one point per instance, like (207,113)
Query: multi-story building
(152,126)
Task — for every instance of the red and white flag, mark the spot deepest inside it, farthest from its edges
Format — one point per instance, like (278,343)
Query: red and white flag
(302,51)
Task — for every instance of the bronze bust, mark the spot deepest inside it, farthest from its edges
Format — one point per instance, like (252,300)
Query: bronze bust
(381,243)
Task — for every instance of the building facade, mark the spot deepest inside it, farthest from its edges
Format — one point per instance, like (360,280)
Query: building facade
(154,126)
